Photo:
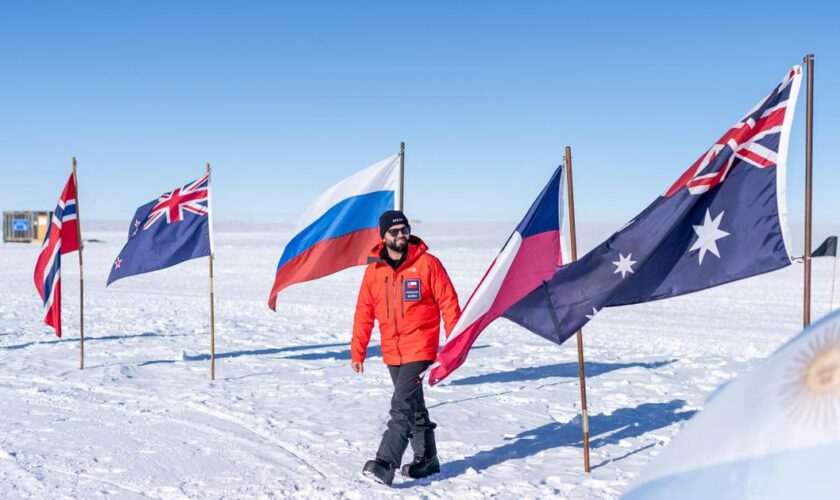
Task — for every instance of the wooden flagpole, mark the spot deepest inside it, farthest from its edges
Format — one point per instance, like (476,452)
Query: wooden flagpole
(402,175)
(212,301)
(81,274)
(579,335)
(809,146)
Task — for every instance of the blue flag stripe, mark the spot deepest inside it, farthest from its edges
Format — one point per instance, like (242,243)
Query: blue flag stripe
(348,216)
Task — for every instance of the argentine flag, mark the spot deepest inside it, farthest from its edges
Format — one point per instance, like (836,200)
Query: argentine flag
(773,433)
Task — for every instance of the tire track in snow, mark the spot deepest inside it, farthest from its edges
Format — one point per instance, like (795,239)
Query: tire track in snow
(56,470)
(221,415)
(126,402)
(24,478)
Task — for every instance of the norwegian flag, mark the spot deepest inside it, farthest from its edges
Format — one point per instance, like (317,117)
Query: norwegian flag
(62,238)
(167,231)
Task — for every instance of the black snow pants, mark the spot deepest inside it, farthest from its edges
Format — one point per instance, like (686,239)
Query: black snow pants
(409,421)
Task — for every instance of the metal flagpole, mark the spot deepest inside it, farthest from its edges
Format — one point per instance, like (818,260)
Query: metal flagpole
(809,146)
(81,274)
(402,175)
(833,277)
(212,307)
(579,335)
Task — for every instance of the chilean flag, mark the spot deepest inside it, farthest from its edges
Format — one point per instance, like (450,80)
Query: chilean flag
(339,228)
(62,238)
(531,256)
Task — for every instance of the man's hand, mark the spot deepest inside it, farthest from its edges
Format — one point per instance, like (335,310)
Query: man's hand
(358,366)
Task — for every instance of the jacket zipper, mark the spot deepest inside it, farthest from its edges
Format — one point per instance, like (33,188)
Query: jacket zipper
(402,297)
(396,328)
(387,304)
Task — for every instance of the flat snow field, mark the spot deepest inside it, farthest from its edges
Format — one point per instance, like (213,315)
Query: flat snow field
(286,417)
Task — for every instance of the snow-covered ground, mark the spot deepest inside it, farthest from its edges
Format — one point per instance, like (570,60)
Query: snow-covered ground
(286,417)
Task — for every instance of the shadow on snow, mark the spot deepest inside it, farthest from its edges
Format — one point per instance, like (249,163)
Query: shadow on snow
(604,429)
(257,352)
(593,369)
(87,339)
(374,351)
(345,355)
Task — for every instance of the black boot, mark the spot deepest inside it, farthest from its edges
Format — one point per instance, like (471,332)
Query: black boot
(380,470)
(421,467)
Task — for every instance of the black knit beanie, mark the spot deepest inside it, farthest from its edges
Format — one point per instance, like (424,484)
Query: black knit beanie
(391,218)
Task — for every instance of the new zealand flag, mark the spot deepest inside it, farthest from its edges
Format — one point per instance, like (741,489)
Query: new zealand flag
(167,231)
(722,221)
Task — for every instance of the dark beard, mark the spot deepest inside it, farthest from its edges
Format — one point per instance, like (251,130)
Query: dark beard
(397,246)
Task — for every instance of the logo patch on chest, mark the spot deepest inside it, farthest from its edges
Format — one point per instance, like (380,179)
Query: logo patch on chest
(411,290)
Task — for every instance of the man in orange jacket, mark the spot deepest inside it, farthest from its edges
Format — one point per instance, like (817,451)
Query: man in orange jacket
(407,291)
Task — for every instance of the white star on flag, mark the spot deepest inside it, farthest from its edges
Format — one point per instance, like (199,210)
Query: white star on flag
(594,311)
(624,265)
(707,235)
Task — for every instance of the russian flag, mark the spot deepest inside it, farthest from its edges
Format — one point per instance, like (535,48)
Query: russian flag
(531,256)
(339,228)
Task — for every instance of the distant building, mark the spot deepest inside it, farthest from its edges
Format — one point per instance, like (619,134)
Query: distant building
(25,226)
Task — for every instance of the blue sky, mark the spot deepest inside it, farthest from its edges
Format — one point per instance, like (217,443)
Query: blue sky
(285,99)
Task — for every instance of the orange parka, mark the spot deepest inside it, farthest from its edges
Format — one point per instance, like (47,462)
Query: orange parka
(408,304)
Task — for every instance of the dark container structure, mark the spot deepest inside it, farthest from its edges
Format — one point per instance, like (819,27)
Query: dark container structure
(25,226)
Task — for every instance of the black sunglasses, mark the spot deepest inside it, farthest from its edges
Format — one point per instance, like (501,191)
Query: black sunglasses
(395,232)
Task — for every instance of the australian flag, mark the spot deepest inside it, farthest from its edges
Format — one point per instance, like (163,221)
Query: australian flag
(723,220)
(167,231)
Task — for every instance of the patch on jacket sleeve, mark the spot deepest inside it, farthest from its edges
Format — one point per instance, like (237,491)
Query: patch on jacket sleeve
(411,290)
